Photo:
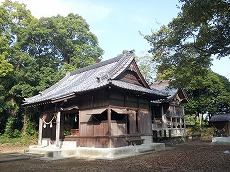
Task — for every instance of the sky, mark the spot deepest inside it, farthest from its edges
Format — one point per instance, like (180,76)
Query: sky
(119,24)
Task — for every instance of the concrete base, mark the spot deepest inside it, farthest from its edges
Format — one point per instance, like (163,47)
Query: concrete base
(93,153)
(147,139)
(46,142)
(221,139)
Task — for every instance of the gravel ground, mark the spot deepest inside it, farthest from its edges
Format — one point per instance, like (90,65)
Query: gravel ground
(196,156)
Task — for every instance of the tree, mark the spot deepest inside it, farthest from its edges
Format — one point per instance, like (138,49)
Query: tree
(145,64)
(5,66)
(207,23)
(14,21)
(147,67)
(199,31)
(212,96)
(64,42)
(40,52)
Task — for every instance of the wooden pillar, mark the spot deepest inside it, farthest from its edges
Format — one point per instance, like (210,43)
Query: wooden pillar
(183,116)
(40,130)
(171,129)
(184,120)
(58,128)
(136,120)
(62,122)
(164,122)
(109,127)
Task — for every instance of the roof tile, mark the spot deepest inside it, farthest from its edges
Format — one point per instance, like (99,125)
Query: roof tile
(90,78)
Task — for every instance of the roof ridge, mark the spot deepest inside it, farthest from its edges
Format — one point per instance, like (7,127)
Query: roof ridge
(94,66)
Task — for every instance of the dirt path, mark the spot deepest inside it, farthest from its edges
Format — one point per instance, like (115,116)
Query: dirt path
(7,148)
(199,156)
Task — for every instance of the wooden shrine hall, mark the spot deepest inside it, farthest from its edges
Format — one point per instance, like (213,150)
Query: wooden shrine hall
(168,114)
(106,105)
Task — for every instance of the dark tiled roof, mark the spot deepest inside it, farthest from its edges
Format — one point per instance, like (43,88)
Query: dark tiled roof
(163,86)
(220,118)
(134,87)
(90,78)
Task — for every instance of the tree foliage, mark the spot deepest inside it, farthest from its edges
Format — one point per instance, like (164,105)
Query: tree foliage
(184,48)
(5,66)
(36,53)
(212,96)
(61,40)
(187,43)
(146,66)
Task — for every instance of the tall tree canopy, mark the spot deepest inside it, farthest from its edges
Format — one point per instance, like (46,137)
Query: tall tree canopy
(62,40)
(35,53)
(200,30)
(212,96)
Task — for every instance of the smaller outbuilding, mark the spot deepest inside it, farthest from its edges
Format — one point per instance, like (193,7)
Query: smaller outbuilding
(221,124)
(168,114)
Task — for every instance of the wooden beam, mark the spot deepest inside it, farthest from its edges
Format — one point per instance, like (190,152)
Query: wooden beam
(109,126)
(163,117)
(64,98)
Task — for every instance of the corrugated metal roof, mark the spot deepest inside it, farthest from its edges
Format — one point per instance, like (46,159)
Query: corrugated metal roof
(90,78)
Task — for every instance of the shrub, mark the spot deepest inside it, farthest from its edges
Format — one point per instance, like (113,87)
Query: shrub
(31,128)
(9,127)
(16,133)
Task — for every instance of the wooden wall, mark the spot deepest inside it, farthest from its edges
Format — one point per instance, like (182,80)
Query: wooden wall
(128,100)
(130,77)
(101,142)
(95,134)
(94,99)
(145,121)
(118,128)
(94,128)
(113,97)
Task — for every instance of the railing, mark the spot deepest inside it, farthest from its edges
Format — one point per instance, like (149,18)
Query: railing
(157,124)
(175,127)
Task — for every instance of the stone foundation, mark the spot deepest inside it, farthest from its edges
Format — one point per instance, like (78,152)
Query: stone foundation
(93,153)
(221,139)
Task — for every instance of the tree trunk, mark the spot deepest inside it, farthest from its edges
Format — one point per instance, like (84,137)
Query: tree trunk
(25,122)
(201,119)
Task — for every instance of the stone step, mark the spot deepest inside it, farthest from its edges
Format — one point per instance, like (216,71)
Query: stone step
(34,153)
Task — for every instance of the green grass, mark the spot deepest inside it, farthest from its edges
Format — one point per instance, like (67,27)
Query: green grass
(18,141)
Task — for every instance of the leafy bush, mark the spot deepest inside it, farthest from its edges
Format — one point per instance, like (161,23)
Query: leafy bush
(16,133)
(9,127)
(31,128)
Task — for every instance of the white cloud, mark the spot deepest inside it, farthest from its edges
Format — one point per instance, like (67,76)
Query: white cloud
(91,11)
(88,9)
(46,8)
